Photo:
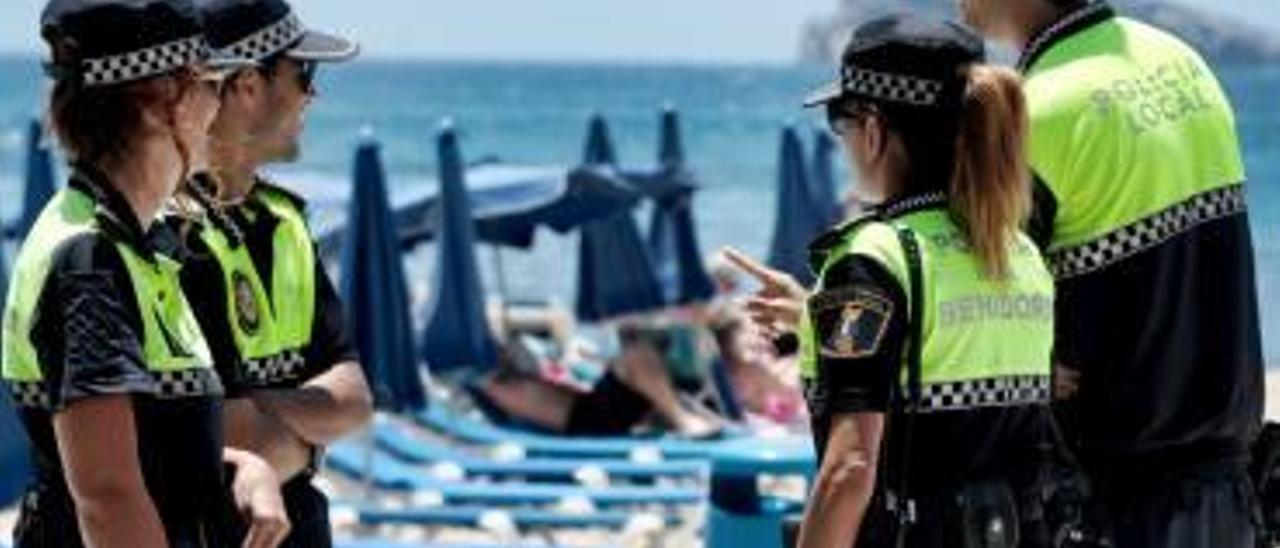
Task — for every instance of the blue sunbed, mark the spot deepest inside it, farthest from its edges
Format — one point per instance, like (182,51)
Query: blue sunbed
(382,543)
(469,516)
(404,446)
(388,473)
(777,456)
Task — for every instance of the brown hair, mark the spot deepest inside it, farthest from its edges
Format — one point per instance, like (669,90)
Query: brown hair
(99,124)
(990,192)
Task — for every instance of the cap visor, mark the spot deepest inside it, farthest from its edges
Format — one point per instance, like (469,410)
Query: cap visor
(324,47)
(824,94)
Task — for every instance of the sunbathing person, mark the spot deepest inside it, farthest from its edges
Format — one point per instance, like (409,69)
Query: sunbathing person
(756,370)
(635,385)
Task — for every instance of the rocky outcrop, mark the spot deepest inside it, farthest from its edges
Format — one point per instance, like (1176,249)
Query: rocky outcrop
(1219,38)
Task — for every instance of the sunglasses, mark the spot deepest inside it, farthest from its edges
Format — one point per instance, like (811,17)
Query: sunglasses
(307,76)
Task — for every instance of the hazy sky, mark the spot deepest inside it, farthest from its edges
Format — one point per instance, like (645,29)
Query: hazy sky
(648,30)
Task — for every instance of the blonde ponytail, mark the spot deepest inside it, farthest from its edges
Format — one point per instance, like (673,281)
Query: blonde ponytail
(991,190)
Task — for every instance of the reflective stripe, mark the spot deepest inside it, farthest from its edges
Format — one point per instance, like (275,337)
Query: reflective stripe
(281,367)
(989,392)
(169,384)
(188,382)
(174,350)
(975,362)
(269,330)
(29,394)
(1146,233)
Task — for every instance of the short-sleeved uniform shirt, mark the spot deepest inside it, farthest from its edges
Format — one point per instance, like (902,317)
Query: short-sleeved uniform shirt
(88,336)
(948,448)
(1142,214)
(254,226)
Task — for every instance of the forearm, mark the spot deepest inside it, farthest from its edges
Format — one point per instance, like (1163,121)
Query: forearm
(245,427)
(123,519)
(326,408)
(97,443)
(842,491)
(836,511)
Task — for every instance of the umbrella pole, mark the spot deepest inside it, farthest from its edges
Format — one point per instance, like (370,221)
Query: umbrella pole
(500,274)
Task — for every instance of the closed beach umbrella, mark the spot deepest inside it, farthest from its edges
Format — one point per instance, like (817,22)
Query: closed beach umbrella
(795,223)
(457,333)
(673,234)
(615,273)
(599,148)
(14,464)
(374,289)
(40,182)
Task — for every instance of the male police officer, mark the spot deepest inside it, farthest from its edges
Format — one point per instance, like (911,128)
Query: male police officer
(271,314)
(1141,209)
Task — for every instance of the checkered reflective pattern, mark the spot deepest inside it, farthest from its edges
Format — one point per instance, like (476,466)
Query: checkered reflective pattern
(992,392)
(189,382)
(268,41)
(29,394)
(127,67)
(284,366)
(1146,233)
(892,87)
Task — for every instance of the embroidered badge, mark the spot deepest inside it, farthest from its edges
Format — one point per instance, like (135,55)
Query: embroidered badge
(246,305)
(851,322)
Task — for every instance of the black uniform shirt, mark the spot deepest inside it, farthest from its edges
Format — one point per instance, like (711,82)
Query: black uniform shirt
(88,335)
(1165,336)
(205,286)
(860,321)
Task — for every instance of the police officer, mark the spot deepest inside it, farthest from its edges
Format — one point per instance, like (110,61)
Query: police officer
(925,344)
(271,314)
(1141,207)
(112,377)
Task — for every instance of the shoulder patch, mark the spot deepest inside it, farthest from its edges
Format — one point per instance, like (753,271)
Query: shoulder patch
(851,321)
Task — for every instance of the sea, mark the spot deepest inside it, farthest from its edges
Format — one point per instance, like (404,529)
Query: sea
(536,113)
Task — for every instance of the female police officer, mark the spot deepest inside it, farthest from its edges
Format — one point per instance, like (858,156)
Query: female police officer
(926,343)
(110,371)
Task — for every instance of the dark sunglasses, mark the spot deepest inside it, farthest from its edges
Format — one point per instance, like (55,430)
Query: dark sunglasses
(307,76)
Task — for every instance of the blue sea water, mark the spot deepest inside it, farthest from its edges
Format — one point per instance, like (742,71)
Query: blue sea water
(732,116)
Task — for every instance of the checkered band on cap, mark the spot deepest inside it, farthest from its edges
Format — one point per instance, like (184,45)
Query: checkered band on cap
(134,65)
(29,394)
(284,366)
(896,88)
(1132,239)
(990,392)
(269,40)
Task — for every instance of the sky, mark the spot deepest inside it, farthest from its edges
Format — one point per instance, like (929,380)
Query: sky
(694,31)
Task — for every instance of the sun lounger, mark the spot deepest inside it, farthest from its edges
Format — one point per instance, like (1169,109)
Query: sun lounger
(388,473)
(404,446)
(471,516)
(379,543)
